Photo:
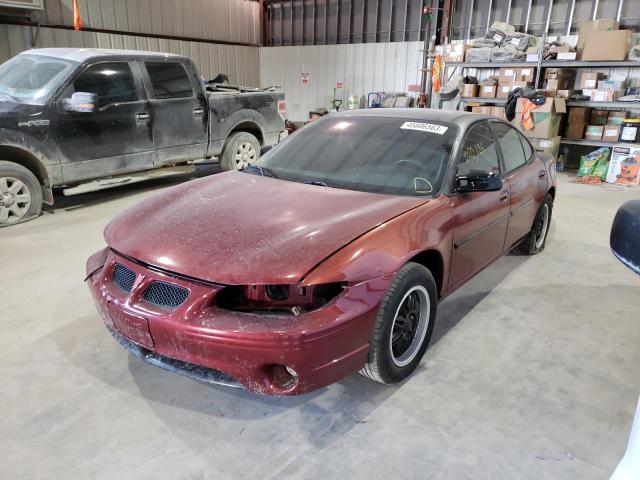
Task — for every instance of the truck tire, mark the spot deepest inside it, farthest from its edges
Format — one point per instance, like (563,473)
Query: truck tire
(20,194)
(242,149)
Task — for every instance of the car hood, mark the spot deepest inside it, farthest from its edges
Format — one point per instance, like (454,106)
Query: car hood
(238,228)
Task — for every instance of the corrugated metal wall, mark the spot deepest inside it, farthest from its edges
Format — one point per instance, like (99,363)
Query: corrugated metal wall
(224,20)
(362,67)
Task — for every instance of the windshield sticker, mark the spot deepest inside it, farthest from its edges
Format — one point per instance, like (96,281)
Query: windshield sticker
(422,185)
(424,127)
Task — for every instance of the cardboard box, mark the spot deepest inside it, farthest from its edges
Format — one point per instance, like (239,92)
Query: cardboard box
(594,132)
(470,90)
(505,89)
(546,118)
(579,115)
(611,133)
(556,73)
(624,167)
(598,117)
(613,45)
(485,110)
(455,52)
(567,55)
(616,118)
(566,94)
(575,131)
(488,91)
(508,75)
(498,112)
(532,57)
(589,27)
(603,95)
(550,146)
(526,74)
(590,79)
(557,84)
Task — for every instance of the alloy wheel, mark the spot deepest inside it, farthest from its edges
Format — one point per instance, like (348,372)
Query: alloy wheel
(15,200)
(542,225)
(246,154)
(409,326)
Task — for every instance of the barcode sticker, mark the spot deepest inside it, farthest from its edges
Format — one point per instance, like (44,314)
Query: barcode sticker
(425,127)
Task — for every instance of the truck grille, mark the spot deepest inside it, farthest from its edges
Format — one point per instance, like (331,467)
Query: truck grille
(165,295)
(123,278)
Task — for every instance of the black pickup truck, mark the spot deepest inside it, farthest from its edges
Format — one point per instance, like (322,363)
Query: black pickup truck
(87,119)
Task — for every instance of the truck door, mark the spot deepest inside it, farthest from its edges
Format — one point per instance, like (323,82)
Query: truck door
(116,137)
(179,111)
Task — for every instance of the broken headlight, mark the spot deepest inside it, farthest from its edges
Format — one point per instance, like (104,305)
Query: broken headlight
(282,298)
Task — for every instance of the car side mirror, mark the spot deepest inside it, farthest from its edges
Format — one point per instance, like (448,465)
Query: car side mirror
(625,235)
(264,149)
(81,102)
(479,181)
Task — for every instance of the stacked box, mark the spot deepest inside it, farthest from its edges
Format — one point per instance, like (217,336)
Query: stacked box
(546,118)
(577,121)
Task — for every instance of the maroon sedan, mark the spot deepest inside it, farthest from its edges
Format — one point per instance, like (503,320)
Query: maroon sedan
(326,257)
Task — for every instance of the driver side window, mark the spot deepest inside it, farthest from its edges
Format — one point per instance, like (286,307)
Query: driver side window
(479,151)
(112,82)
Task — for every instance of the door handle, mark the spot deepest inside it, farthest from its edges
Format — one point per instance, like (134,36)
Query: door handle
(142,116)
(198,112)
(504,196)
(542,174)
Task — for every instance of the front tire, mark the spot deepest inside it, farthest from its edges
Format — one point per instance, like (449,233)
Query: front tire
(242,149)
(403,326)
(536,239)
(20,194)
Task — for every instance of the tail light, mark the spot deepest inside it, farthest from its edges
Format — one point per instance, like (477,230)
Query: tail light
(282,109)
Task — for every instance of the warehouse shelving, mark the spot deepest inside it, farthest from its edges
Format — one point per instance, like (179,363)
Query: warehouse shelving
(590,104)
(588,143)
(492,101)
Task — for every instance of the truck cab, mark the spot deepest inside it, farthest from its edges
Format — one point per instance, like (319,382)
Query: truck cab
(84,119)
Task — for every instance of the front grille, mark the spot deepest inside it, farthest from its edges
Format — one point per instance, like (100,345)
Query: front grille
(124,278)
(165,295)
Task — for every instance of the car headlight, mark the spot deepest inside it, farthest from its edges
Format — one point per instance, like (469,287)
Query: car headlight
(281,298)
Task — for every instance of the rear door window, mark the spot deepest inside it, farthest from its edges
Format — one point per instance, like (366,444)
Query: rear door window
(169,80)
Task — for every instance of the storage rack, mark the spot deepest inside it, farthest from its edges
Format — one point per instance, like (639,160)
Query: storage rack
(539,65)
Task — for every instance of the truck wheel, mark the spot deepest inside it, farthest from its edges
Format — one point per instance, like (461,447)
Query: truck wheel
(403,326)
(242,149)
(20,194)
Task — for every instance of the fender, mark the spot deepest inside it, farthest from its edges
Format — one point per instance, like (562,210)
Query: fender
(389,246)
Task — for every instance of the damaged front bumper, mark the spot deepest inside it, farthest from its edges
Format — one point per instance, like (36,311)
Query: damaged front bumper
(266,353)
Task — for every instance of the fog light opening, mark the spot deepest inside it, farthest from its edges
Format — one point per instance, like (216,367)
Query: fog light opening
(283,376)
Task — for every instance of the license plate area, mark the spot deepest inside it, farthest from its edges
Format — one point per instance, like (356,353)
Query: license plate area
(134,327)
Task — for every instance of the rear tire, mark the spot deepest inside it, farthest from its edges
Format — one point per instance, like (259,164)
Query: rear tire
(403,326)
(241,149)
(536,239)
(20,194)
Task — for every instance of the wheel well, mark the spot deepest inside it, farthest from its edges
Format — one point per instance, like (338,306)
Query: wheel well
(251,128)
(27,160)
(552,192)
(433,261)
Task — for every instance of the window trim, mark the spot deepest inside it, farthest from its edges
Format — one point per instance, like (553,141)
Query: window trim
(504,166)
(453,190)
(149,84)
(58,97)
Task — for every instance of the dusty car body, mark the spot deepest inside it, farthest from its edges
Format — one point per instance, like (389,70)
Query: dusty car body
(279,286)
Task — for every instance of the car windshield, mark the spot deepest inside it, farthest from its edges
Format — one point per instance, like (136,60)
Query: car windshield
(32,78)
(371,154)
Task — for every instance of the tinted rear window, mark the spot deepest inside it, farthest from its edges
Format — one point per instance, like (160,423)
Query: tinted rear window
(169,80)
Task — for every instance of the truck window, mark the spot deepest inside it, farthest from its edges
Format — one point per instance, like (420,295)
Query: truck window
(169,80)
(112,81)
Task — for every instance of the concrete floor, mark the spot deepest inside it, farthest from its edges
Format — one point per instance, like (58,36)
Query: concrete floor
(533,372)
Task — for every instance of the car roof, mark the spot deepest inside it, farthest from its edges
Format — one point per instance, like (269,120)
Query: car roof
(82,54)
(462,119)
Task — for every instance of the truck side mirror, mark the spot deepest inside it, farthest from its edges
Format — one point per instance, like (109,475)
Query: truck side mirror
(82,102)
